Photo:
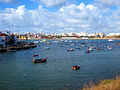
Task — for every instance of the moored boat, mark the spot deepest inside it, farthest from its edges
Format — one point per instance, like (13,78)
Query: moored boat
(99,48)
(75,67)
(35,59)
(87,51)
(3,49)
(46,48)
(71,49)
(110,40)
(109,47)
(11,49)
(82,45)
(90,49)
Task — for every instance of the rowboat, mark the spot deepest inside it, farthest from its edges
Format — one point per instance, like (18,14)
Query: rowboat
(36,59)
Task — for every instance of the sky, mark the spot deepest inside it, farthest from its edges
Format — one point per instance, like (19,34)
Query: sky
(60,16)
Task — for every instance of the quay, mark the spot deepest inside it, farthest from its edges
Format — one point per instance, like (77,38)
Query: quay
(9,42)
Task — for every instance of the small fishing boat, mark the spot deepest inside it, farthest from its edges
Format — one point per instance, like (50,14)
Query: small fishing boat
(36,41)
(82,45)
(46,48)
(87,51)
(99,48)
(71,49)
(11,49)
(109,47)
(44,40)
(36,59)
(3,49)
(75,67)
(61,46)
(90,49)
(110,40)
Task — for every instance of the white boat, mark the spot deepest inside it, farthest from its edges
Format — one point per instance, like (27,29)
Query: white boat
(109,47)
(36,41)
(110,40)
(71,49)
(46,48)
(90,49)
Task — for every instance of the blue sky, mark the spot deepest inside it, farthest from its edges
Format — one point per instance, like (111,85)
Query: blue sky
(33,4)
(59,16)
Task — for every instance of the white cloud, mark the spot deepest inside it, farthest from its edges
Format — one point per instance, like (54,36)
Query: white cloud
(75,18)
(108,3)
(52,3)
(9,1)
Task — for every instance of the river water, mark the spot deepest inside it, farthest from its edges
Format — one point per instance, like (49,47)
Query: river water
(18,72)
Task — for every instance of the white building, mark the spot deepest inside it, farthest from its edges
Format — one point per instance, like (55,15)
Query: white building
(101,34)
(82,34)
(113,34)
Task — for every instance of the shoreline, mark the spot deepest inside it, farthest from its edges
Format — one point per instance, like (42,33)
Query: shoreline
(74,39)
(106,84)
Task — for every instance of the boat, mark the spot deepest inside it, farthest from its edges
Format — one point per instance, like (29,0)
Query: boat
(91,48)
(48,43)
(36,41)
(75,67)
(109,47)
(3,49)
(99,48)
(71,49)
(83,45)
(11,49)
(35,59)
(46,48)
(110,40)
(61,46)
(27,46)
(44,40)
(87,51)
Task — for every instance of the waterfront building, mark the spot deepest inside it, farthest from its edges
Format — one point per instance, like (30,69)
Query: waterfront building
(101,34)
(7,39)
(113,34)
(4,38)
(82,34)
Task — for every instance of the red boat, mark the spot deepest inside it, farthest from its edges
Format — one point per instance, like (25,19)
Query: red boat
(35,59)
(75,67)
(87,51)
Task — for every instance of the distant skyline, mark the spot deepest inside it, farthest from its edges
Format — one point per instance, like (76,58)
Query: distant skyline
(58,16)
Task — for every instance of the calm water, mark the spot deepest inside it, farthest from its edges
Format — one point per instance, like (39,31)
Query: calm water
(17,72)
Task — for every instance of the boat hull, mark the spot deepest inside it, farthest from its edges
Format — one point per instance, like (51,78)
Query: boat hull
(39,60)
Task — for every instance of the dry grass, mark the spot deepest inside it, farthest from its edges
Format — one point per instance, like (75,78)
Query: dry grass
(112,84)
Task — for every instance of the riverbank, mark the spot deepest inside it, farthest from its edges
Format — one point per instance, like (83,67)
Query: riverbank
(110,84)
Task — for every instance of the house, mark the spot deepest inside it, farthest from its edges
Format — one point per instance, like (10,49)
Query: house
(3,39)
(6,39)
